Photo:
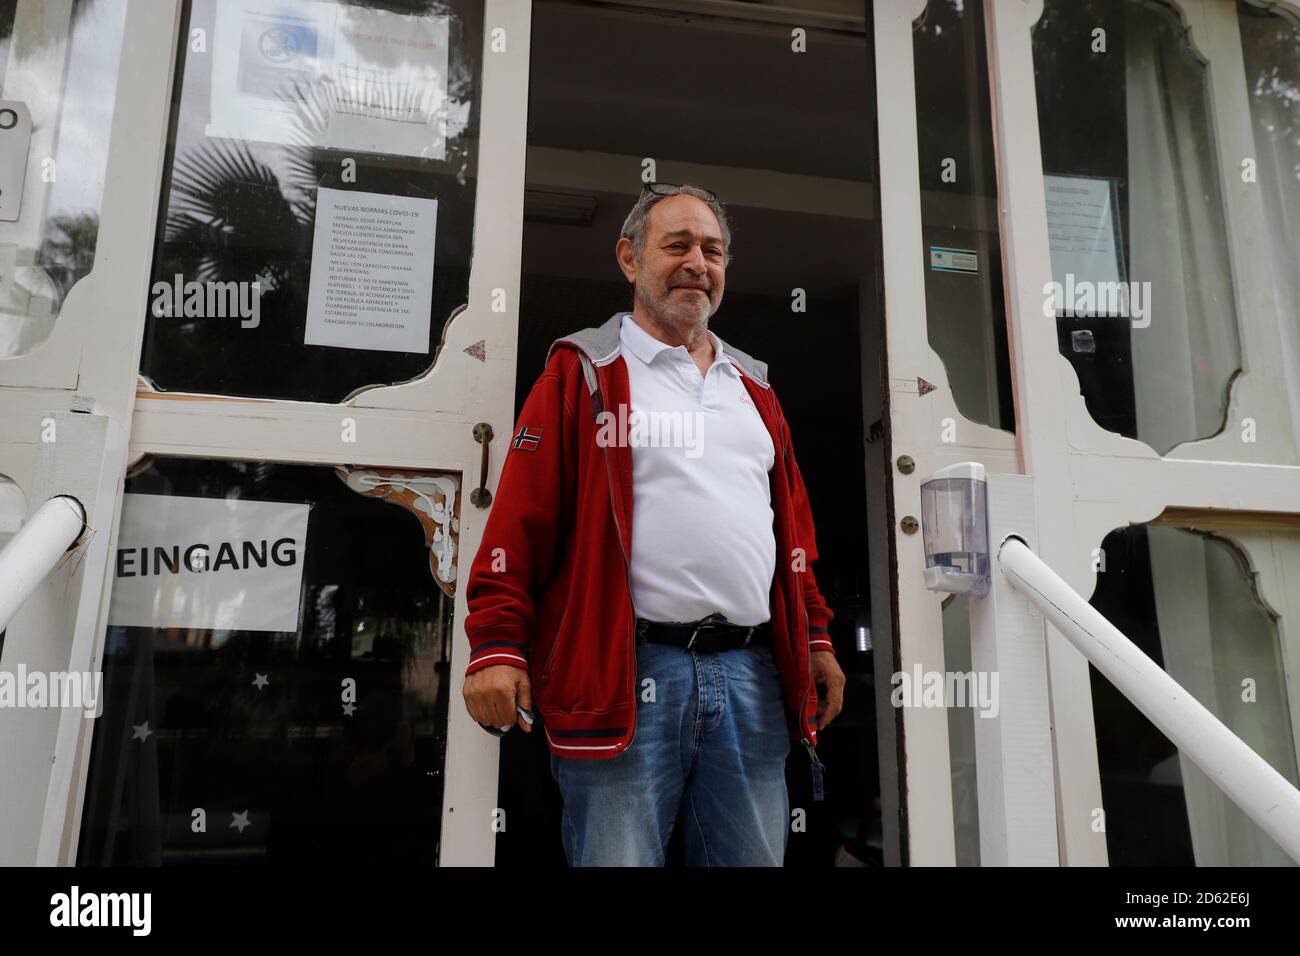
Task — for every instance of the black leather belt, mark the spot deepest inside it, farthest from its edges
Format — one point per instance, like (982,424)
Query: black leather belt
(709,635)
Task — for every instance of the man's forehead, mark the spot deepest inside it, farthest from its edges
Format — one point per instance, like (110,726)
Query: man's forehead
(691,234)
(685,220)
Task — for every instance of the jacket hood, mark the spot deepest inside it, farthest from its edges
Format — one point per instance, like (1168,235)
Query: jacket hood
(601,345)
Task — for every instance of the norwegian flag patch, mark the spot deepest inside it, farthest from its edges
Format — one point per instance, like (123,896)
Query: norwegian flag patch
(528,439)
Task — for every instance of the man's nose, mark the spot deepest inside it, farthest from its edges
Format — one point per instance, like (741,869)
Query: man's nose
(695,263)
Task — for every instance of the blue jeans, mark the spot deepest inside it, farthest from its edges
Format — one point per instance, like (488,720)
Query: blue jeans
(710,734)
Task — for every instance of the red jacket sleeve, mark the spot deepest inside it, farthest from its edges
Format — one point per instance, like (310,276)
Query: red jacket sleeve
(524,530)
(819,612)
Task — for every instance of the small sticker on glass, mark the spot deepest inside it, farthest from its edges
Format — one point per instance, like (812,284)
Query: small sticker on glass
(943,259)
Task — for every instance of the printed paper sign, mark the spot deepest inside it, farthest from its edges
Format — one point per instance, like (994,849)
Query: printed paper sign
(213,563)
(338,75)
(1081,228)
(371,271)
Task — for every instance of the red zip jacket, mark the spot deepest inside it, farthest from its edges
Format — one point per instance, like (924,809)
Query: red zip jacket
(549,590)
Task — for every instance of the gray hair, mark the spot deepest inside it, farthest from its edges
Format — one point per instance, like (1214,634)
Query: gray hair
(634,227)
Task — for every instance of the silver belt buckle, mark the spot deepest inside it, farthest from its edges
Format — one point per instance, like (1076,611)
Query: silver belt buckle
(712,623)
(694,634)
(702,625)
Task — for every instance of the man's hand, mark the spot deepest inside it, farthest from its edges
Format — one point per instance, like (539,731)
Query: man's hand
(826,672)
(492,693)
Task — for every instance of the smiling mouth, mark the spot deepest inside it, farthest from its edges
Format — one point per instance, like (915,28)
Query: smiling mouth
(688,288)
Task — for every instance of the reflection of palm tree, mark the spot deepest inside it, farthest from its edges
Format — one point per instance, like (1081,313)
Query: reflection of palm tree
(231,218)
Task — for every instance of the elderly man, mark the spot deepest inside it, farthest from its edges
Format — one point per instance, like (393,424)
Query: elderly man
(645,575)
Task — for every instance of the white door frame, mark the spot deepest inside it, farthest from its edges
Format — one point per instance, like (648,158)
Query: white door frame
(918,423)
(86,367)
(1090,481)
(423,424)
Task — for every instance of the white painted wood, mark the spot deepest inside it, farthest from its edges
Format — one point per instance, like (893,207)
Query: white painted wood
(95,481)
(1090,481)
(919,623)
(1262,792)
(1047,391)
(472,755)
(918,425)
(95,344)
(56,630)
(20,430)
(252,429)
(423,424)
(1013,748)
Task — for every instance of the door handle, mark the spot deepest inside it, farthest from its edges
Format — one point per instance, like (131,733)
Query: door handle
(480,497)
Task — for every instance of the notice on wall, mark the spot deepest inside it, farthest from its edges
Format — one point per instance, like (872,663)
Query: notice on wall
(208,563)
(337,75)
(1082,229)
(371,271)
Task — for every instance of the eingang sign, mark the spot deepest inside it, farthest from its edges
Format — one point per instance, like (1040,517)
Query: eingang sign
(208,563)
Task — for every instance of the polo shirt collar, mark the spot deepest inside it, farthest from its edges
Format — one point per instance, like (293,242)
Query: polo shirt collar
(646,347)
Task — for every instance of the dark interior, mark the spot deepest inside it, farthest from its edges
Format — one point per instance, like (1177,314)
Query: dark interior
(635,93)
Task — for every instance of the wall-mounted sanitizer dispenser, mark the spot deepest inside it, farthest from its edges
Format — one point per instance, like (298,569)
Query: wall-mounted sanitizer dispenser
(955,530)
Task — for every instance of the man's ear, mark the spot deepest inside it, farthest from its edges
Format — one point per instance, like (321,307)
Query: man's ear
(626,258)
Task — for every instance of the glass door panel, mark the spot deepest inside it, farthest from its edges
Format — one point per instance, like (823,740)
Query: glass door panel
(320,742)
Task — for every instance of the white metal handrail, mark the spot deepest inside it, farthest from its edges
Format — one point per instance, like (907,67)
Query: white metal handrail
(1248,780)
(35,549)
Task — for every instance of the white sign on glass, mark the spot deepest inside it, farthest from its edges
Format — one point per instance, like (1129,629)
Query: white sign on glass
(946,259)
(335,75)
(371,271)
(1083,235)
(213,563)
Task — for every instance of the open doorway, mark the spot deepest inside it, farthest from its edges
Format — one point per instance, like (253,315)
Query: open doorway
(784,132)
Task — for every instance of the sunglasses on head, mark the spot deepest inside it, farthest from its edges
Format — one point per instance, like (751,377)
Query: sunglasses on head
(672,189)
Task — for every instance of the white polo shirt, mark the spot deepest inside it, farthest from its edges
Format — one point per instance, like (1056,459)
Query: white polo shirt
(702,536)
